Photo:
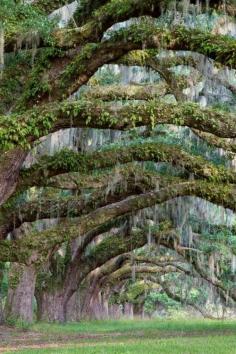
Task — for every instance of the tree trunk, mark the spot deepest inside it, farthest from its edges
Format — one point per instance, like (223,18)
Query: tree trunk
(96,304)
(1,311)
(138,310)
(73,307)
(1,300)
(50,306)
(115,312)
(93,288)
(10,164)
(20,297)
(98,309)
(128,310)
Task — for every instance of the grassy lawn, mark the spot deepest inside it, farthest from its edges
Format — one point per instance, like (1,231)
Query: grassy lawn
(137,336)
(206,345)
(110,326)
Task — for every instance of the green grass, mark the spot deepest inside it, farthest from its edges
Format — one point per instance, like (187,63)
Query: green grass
(110,326)
(200,345)
(141,337)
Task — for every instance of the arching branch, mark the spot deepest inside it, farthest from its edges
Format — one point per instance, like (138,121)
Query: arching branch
(118,245)
(44,241)
(64,77)
(69,161)
(128,183)
(129,92)
(213,140)
(51,118)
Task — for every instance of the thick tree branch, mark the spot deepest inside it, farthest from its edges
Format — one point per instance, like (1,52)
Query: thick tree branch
(65,78)
(10,165)
(126,272)
(39,122)
(129,92)
(216,141)
(117,245)
(179,299)
(169,59)
(129,181)
(69,161)
(44,241)
(178,38)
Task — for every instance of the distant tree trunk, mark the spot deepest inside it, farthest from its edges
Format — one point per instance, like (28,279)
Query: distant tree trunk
(138,310)
(50,306)
(1,312)
(128,310)
(1,300)
(98,307)
(95,302)
(20,296)
(1,50)
(93,291)
(73,308)
(115,311)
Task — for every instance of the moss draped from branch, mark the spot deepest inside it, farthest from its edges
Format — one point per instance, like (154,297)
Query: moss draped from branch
(44,241)
(69,161)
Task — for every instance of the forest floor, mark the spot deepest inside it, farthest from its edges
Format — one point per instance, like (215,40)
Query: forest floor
(183,336)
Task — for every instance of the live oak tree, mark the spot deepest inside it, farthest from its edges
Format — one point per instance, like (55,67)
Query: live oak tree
(90,196)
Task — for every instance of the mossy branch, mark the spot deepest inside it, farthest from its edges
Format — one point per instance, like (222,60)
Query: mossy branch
(24,129)
(69,161)
(44,241)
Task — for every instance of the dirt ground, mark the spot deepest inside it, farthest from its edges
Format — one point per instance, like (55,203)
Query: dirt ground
(12,339)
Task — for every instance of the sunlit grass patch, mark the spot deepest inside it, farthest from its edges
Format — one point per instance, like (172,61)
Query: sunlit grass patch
(179,345)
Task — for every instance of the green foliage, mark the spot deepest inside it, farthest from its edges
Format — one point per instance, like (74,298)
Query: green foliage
(17,323)
(17,66)
(105,76)
(154,298)
(14,132)
(221,48)
(38,83)
(86,8)
(3,279)
(79,64)
(19,18)
(197,295)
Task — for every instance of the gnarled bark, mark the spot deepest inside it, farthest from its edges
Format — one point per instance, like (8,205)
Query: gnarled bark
(10,165)
(20,297)
(50,306)
(82,265)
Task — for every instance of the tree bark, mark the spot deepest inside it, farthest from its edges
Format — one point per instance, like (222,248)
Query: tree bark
(73,308)
(1,300)
(1,312)
(20,297)
(129,310)
(50,306)
(10,164)
(98,306)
